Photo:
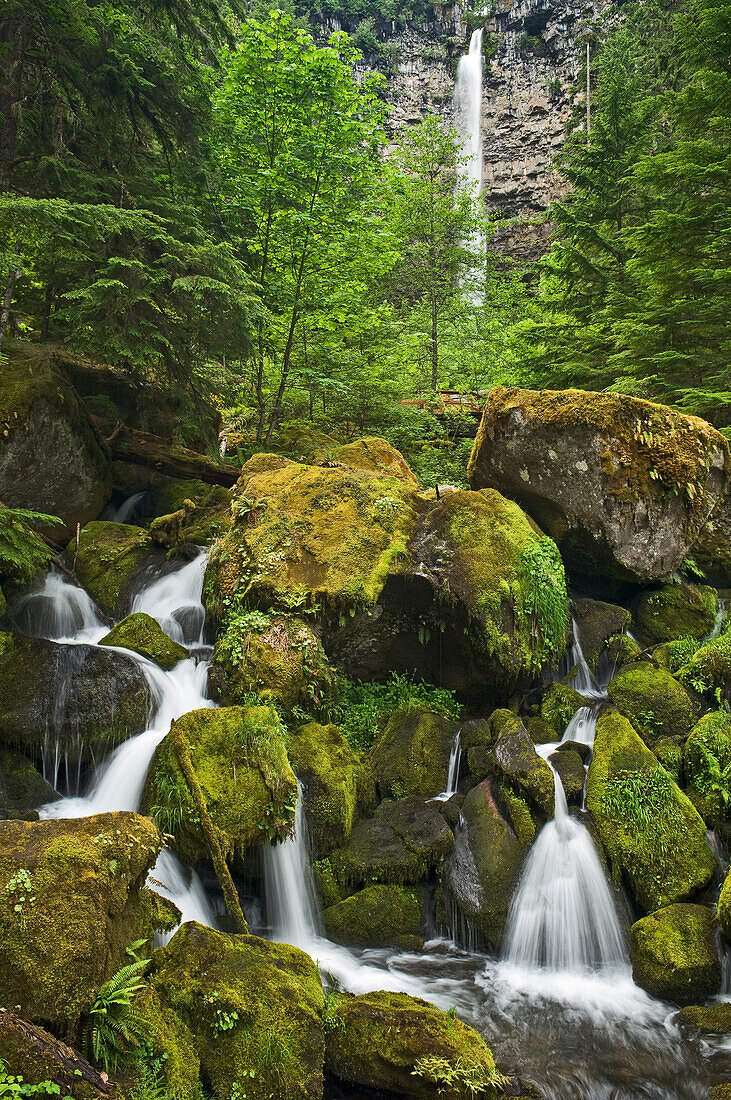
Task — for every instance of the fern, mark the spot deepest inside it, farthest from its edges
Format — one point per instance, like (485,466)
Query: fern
(22,551)
(116,1030)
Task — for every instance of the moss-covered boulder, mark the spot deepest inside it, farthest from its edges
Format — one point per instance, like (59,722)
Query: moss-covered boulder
(278,657)
(334,784)
(714,1018)
(144,635)
(376,456)
(623,485)
(109,562)
(480,876)
(240,760)
(403,842)
(73,898)
(378,916)
(724,907)
(211,516)
(656,704)
(72,701)
(709,670)
(519,766)
(51,459)
(400,1043)
(674,954)
(570,768)
(598,624)
(558,706)
(675,611)
(654,837)
(412,756)
(707,753)
(252,1009)
(170,1042)
(22,787)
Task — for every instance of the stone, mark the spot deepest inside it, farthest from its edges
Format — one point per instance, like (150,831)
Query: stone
(22,787)
(144,635)
(109,561)
(675,611)
(571,772)
(335,784)
(614,497)
(412,755)
(712,551)
(598,624)
(518,764)
(674,954)
(706,757)
(558,706)
(657,705)
(378,916)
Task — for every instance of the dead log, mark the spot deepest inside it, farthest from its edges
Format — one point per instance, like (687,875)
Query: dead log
(131,445)
(34,1054)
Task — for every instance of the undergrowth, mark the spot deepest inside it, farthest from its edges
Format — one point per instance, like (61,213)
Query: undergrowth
(544,600)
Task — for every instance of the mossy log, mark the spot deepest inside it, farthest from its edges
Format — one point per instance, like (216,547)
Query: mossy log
(131,445)
(37,1055)
(230,894)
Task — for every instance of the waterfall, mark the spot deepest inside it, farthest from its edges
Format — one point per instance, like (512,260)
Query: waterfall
(467,111)
(290,888)
(61,612)
(582,680)
(720,613)
(175,601)
(455,760)
(127,511)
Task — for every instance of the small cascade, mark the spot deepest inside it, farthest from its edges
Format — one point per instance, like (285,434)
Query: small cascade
(128,511)
(61,612)
(720,615)
(182,886)
(175,601)
(455,760)
(290,888)
(583,679)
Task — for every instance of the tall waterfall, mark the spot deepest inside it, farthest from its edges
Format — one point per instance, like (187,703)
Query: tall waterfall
(467,110)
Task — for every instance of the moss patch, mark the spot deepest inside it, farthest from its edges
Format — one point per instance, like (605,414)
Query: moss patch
(653,700)
(707,764)
(379,916)
(333,781)
(674,954)
(109,559)
(724,907)
(676,611)
(412,756)
(558,706)
(144,635)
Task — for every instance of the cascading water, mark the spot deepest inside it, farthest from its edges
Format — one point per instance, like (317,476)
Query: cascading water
(467,111)
(455,761)
(127,511)
(175,601)
(719,620)
(290,888)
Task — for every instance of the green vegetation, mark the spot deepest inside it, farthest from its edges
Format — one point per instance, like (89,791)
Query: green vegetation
(23,553)
(116,1030)
(13,1085)
(365,707)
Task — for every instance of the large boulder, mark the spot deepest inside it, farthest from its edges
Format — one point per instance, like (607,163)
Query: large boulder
(378,916)
(252,1009)
(709,669)
(62,703)
(599,625)
(412,756)
(400,1043)
(654,837)
(675,611)
(519,766)
(144,635)
(481,874)
(74,898)
(334,784)
(210,518)
(712,551)
(674,954)
(653,700)
(240,761)
(51,458)
(463,591)
(706,759)
(109,561)
(624,486)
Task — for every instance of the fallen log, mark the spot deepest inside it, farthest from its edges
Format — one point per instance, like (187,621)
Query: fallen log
(132,445)
(31,1052)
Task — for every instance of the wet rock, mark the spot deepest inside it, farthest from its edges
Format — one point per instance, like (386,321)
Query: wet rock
(724,907)
(583,751)
(623,485)
(109,562)
(144,635)
(335,784)
(558,706)
(68,475)
(598,624)
(519,765)
(676,611)
(571,772)
(653,835)
(655,702)
(250,1009)
(22,787)
(674,954)
(378,916)
(392,1041)
(75,899)
(714,1019)
(412,755)
(211,516)
(709,670)
(480,876)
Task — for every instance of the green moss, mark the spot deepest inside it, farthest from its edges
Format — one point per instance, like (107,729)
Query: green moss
(333,781)
(34,1056)
(707,763)
(519,815)
(674,954)
(412,756)
(709,670)
(144,635)
(651,832)
(240,759)
(519,766)
(63,935)
(253,1009)
(653,700)
(376,456)
(328,888)
(676,611)
(109,558)
(724,907)
(172,1045)
(558,706)
(670,755)
(379,916)
(396,1042)
(598,625)
(715,1018)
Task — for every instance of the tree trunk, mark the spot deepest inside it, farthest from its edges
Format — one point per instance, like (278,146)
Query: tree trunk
(131,445)
(8,299)
(36,1055)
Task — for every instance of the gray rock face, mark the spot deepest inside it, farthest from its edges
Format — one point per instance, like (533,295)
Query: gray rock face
(624,486)
(712,552)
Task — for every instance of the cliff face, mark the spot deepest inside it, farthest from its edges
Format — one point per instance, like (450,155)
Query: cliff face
(534,52)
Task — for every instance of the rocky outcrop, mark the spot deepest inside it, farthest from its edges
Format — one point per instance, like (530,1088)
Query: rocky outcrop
(51,458)
(712,552)
(624,486)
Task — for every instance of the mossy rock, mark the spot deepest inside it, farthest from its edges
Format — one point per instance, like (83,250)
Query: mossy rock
(253,1009)
(65,928)
(539,730)
(400,1043)
(714,1019)
(402,843)
(558,706)
(329,890)
(481,874)
(144,635)
(304,443)
(22,787)
(376,456)
(625,486)
(412,755)
(30,1052)
(519,765)
(712,551)
(240,760)
(211,517)
(77,701)
(720,1092)
(109,562)
(598,624)
(51,459)
(653,700)
(378,916)
(707,753)
(724,907)
(674,954)
(709,669)
(571,772)
(278,657)
(676,611)
(334,784)
(670,754)
(654,837)
(171,1042)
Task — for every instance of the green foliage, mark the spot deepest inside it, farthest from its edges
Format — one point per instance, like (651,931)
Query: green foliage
(12,1086)
(23,553)
(115,1030)
(459,1075)
(679,652)
(544,599)
(150,1085)
(364,707)
(639,797)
